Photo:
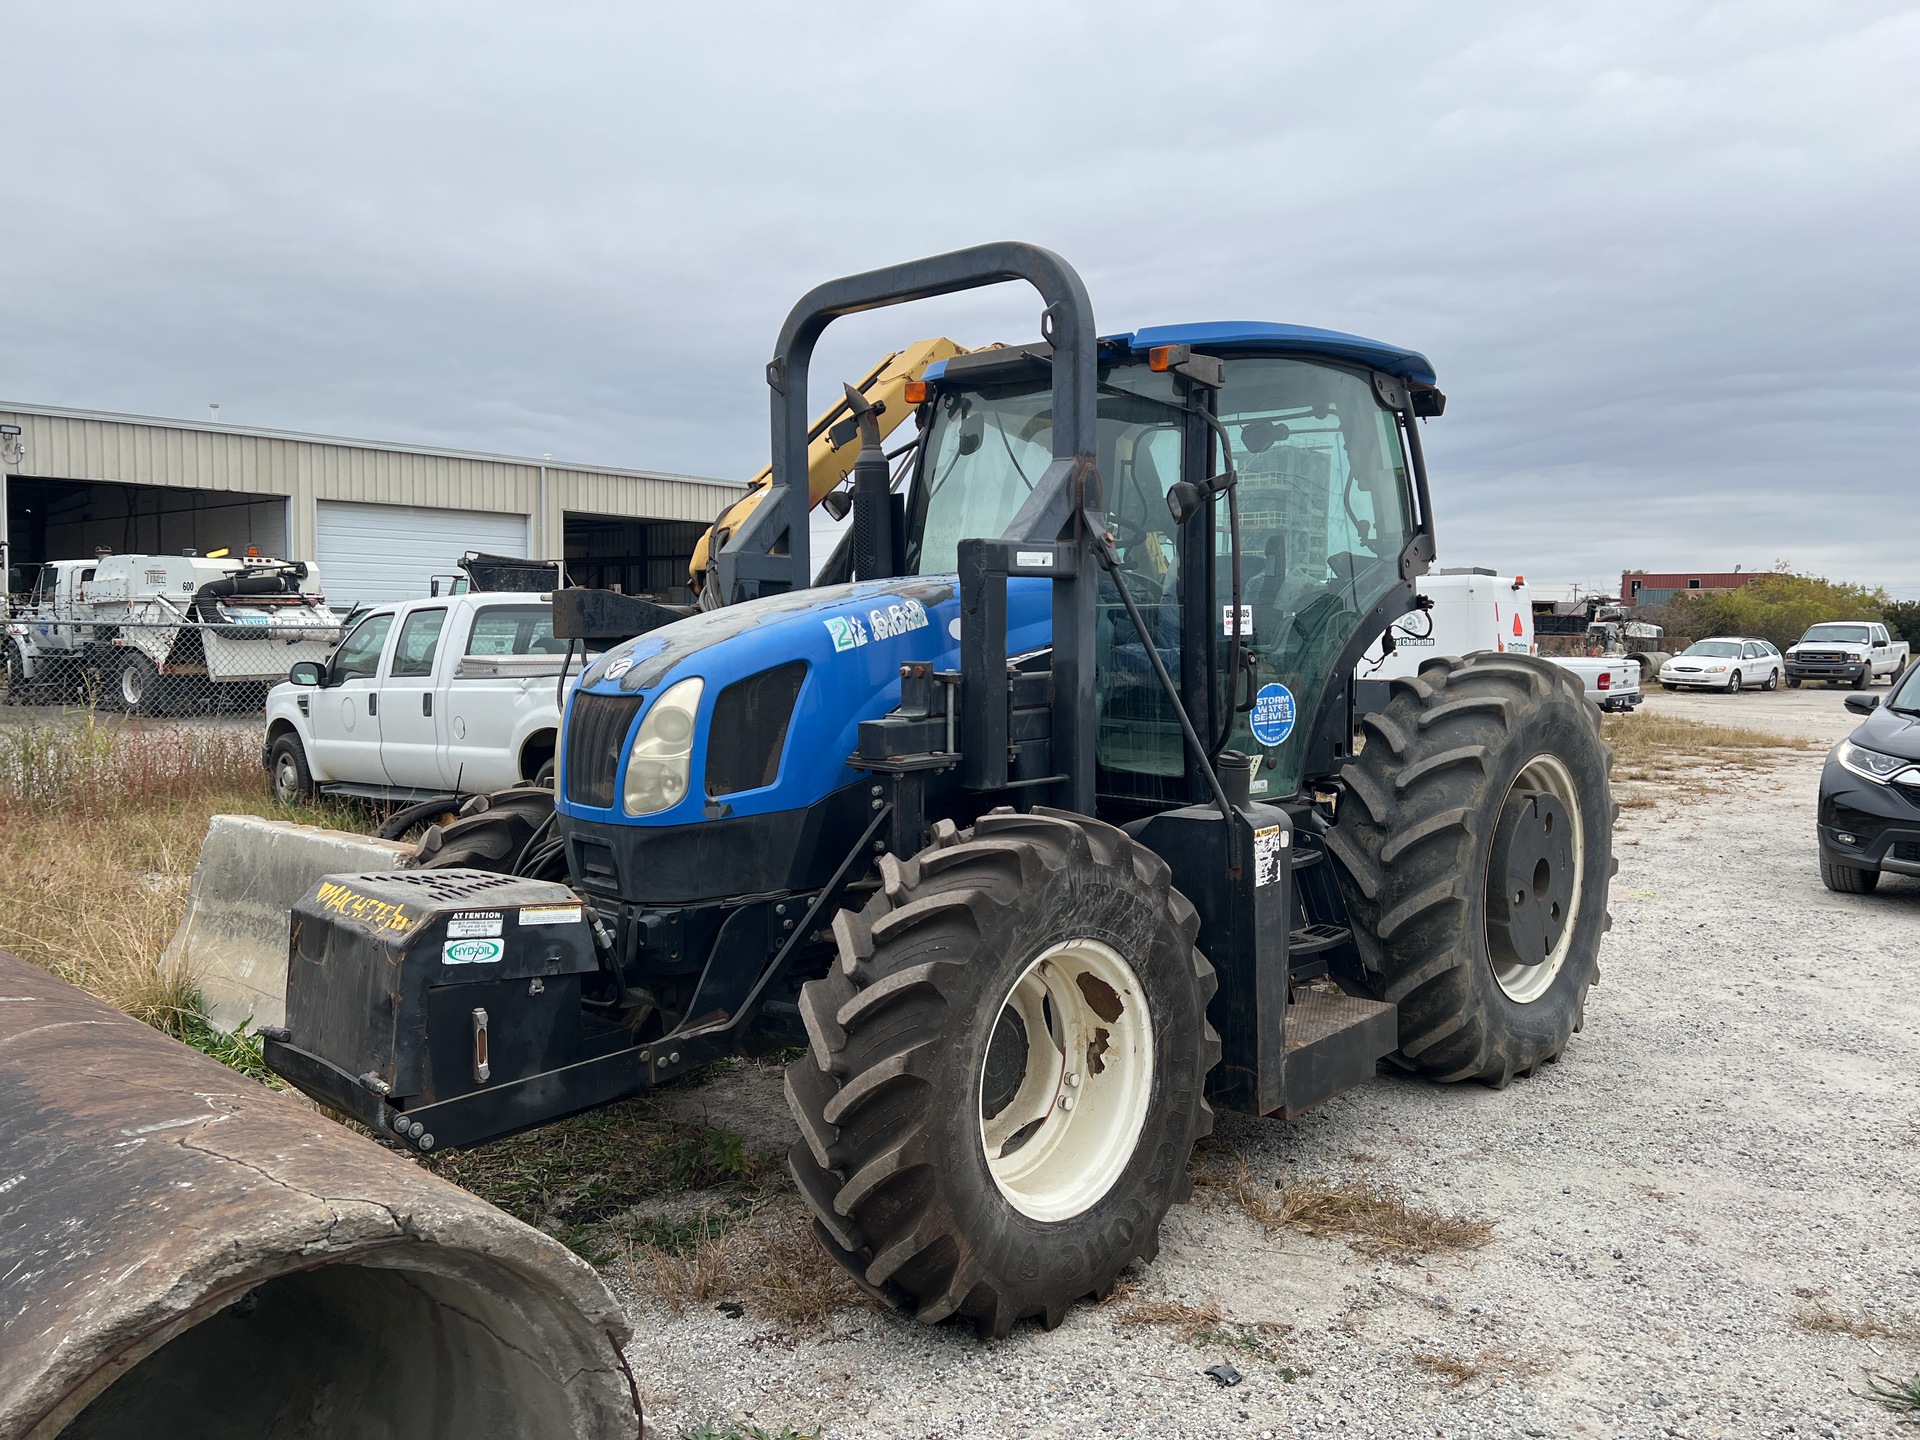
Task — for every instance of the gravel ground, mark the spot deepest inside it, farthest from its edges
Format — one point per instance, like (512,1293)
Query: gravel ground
(1730,1142)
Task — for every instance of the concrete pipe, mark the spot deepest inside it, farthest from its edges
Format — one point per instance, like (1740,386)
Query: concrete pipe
(184,1252)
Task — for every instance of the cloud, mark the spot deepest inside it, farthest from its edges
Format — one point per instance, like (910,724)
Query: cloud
(1659,253)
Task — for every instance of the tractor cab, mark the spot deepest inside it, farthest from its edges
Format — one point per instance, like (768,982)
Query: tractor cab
(1327,525)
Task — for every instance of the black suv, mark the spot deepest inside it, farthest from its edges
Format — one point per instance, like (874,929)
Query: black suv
(1870,792)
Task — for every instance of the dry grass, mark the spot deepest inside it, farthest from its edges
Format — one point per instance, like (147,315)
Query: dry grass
(768,1260)
(100,826)
(1374,1219)
(1662,747)
(1191,1320)
(1818,1318)
(1457,1371)
(585,1180)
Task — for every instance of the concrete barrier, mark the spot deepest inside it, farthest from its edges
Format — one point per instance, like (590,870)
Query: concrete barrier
(233,938)
(184,1252)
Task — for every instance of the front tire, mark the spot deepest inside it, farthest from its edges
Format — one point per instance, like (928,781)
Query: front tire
(1772,681)
(1848,880)
(1793,682)
(287,770)
(501,832)
(1482,778)
(1733,682)
(1860,680)
(1006,1072)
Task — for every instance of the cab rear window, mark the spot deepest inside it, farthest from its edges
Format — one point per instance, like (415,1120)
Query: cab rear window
(514,630)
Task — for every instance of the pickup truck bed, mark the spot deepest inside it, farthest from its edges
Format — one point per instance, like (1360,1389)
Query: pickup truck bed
(1612,682)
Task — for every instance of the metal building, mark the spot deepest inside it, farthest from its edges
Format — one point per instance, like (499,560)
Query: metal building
(380,519)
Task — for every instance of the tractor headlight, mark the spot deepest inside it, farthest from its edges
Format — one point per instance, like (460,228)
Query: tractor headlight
(661,765)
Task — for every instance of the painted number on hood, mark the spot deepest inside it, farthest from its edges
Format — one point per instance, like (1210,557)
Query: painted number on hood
(849,632)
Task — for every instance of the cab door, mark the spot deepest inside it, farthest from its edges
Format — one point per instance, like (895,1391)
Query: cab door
(411,738)
(344,714)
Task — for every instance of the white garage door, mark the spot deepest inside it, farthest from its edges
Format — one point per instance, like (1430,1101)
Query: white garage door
(370,554)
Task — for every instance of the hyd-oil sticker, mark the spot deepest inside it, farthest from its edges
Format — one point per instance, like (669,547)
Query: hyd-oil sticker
(475,925)
(472,952)
(551,915)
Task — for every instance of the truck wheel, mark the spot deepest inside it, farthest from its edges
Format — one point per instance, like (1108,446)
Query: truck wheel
(16,675)
(1475,847)
(1860,680)
(1006,1072)
(1847,880)
(137,686)
(287,770)
(492,832)
(1793,682)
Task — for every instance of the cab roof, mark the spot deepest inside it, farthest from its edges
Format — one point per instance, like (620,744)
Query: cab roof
(1266,337)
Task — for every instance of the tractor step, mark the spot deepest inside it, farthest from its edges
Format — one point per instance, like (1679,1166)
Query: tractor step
(1309,947)
(1333,1043)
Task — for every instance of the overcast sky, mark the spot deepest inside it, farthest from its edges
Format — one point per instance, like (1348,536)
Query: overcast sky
(1662,255)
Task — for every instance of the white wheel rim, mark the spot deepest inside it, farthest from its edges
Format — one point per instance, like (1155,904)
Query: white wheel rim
(130,685)
(285,775)
(1524,984)
(1076,1115)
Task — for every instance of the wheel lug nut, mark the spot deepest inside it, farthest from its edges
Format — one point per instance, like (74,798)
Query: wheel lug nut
(1073,1078)
(1066,1102)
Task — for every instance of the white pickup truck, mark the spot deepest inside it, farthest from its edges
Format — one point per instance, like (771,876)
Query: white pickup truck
(1478,609)
(1856,651)
(450,696)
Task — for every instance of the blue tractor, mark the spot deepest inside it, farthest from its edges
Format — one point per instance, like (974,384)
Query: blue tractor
(1044,817)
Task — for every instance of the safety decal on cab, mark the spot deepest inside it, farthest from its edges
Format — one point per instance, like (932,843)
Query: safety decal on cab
(849,632)
(1273,714)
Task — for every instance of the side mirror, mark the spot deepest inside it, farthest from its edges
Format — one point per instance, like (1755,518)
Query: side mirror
(307,672)
(1183,501)
(1862,704)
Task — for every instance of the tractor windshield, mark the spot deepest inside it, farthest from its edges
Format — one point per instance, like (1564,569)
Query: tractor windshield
(1324,516)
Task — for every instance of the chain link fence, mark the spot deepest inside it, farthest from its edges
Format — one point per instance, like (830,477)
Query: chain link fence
(154,668)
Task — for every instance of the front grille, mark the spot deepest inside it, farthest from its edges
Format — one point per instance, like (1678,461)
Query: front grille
(597,727)
(749,729)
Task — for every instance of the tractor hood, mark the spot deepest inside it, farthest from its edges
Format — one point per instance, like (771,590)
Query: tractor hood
(852,639)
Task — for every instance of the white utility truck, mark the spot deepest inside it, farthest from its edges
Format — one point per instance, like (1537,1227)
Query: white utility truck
(150,633)
(1469,609)
(429,699)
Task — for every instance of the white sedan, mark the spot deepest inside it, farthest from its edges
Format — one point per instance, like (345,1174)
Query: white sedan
(1726,662)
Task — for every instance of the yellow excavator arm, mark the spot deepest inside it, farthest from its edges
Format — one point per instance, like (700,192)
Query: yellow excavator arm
(828,463)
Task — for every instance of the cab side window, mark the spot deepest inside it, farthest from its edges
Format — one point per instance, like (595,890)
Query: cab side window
(358,657)
(419,640)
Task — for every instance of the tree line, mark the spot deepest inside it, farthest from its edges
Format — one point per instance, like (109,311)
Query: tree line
(1780,606)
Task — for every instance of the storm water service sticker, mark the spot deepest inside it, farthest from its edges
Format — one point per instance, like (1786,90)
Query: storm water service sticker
(474,925)
(1272,714)
(472,952)
(550,915)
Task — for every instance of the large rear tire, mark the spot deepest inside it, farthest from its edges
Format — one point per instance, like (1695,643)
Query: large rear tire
(1006,1072)
(1475,848)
